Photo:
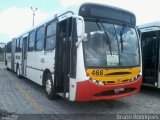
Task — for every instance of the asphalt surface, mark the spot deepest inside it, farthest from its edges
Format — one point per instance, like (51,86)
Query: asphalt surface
(22,96)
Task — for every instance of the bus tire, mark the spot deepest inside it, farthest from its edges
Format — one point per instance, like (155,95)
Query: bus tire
(49,87)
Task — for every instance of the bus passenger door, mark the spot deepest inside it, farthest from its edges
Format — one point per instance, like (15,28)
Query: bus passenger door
(13,46)
(62,57)
(24,55)
(150,49)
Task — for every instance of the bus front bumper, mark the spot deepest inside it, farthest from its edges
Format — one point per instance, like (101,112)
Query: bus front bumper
(89,91)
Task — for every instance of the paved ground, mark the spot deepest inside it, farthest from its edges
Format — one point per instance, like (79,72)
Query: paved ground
(22,96)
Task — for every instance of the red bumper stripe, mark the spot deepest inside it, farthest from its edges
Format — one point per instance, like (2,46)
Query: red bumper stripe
(86,90)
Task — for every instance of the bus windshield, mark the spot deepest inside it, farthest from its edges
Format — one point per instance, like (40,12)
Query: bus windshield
(120,50)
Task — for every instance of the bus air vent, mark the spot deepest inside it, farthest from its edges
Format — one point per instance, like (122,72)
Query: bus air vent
(110,82)
(127,80)
(118,73)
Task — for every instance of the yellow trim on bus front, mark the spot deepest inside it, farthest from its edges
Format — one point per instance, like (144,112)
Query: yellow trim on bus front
(113,76)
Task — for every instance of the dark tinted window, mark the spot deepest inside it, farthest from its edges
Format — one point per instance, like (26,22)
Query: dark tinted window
(39,43)
(17,45)
(8,47)
(110,45)
(40,33)
(31,41)
(50,42)
(51,36)
(107,12)
(17,42)
(51,29)
(20,46)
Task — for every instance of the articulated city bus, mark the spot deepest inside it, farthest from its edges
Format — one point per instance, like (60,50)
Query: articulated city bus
(85,53)
(150,41)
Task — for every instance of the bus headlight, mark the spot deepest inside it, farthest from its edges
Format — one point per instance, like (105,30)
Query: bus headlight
(94,81)
(97,82)
(133,79)
(100,83)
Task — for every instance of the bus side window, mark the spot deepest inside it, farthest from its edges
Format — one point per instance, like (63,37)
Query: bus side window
(31,41)
(17,45)
(20,44)
(8,47)
(39,42)
(50,36)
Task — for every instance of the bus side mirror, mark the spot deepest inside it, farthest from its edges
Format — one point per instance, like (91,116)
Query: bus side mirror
(80,29)
(139,32)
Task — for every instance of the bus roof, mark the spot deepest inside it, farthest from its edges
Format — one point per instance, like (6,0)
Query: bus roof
(74,10)
(148,27)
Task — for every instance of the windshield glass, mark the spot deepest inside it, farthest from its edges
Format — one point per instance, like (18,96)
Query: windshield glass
(110,45)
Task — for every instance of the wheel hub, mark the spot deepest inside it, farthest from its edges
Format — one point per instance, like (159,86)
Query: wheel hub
(48,86)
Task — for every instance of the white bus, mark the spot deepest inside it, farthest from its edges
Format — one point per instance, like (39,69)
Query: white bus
(85,53)
(150,37)
(9,54)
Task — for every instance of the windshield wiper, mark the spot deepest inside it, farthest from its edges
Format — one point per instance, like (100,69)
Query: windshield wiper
(121,38)
(107,40)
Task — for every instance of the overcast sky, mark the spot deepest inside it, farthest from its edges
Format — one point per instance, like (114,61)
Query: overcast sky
(16,15)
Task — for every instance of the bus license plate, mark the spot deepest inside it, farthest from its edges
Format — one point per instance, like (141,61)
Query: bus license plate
(118,90)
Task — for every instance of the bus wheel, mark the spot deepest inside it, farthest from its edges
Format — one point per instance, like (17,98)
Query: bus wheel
(18,72)
(49,88)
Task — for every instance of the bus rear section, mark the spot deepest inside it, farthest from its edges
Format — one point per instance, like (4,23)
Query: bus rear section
(150,37)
